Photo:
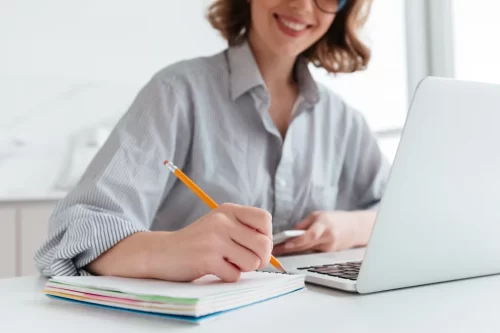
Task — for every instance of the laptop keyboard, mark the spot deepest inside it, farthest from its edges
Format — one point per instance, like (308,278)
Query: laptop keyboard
(347,270)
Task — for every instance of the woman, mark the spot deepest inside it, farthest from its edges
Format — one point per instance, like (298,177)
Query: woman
(253,129)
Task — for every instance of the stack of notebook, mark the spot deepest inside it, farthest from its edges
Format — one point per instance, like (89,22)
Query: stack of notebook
(196,301)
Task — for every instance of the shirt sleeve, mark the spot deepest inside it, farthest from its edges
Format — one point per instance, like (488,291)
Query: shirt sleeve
(123,186)
(365,169)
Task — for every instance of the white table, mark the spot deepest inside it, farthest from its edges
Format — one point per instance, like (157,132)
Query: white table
(463,306)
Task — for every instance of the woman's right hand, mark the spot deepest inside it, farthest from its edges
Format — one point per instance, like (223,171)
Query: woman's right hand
(225,242)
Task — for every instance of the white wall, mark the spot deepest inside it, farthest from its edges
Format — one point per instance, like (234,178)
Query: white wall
(117,40)
(69,69)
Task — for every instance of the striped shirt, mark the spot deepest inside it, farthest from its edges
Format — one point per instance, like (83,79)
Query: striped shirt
(209,115)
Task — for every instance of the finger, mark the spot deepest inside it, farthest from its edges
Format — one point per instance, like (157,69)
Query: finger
(252,240)
(244,259)
(280,250)
(225,270)
(301,243)
(310,238)
(306,223)
(284,250)
(325,247)
(253,217)
(287,247)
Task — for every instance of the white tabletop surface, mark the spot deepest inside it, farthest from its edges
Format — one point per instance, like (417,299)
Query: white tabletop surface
(462,306)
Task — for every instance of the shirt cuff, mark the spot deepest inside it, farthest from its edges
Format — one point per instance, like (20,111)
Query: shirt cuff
(71,248)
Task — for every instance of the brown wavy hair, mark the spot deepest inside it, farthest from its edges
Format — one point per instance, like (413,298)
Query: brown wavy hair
(340,50)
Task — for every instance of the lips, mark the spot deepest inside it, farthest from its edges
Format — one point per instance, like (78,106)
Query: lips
(295,26)
(291,26)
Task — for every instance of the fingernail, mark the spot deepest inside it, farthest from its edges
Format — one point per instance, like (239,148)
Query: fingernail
(289,246)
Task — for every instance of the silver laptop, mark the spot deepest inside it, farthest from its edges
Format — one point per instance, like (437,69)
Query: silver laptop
(439,219)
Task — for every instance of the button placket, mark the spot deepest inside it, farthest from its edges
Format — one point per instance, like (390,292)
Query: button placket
(283,183)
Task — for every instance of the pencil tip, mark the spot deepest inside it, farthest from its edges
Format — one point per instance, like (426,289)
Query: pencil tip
(165,162)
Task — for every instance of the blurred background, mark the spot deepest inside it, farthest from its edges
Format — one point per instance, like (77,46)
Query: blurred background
(70,69)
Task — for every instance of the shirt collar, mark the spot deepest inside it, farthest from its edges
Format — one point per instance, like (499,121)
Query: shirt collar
(245,75)
(307,85)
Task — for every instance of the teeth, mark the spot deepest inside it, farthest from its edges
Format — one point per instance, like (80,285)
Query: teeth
(293,25)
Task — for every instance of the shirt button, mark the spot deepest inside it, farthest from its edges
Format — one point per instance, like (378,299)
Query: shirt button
(281,182)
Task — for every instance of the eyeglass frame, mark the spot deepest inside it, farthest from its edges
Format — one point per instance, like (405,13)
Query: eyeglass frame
(341,5)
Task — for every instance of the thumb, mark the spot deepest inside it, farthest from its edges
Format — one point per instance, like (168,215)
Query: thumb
(306,223)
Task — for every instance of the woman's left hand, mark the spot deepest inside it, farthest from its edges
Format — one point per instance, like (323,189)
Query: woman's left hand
(329,231)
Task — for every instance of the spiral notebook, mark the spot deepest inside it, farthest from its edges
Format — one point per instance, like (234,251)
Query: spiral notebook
(197,301)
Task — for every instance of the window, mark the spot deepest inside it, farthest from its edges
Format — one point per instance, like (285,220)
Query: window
(477,51)
(380,92)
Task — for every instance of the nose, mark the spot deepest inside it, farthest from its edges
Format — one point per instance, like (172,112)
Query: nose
(303,5)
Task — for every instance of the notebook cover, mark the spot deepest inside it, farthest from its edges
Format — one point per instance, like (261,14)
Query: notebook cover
(190,319)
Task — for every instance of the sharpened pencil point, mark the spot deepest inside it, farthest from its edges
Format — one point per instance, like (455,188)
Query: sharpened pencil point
(277,264)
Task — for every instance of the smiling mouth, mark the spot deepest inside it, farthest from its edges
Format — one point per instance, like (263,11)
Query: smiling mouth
(292,25)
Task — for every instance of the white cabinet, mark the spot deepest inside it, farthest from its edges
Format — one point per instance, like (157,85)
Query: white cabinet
(33,232)
(23,229)
(7,242)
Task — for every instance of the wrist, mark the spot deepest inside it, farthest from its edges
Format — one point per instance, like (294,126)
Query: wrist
(155,251)
(363,225)
(126,258)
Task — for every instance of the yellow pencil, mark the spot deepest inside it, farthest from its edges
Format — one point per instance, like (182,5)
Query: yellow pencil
(207,200)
